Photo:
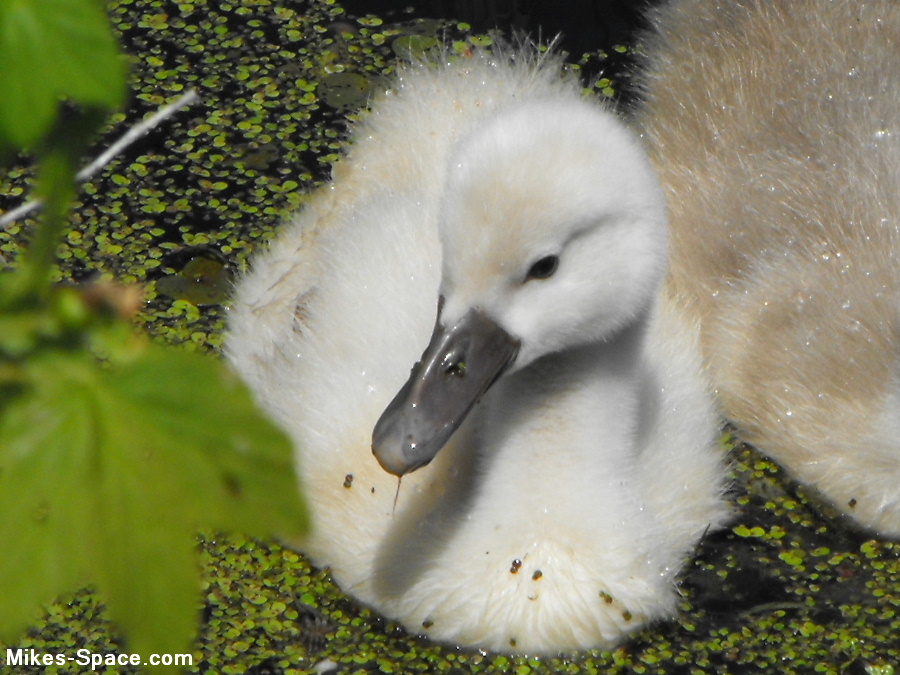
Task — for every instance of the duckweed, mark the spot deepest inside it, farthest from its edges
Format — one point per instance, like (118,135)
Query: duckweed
(782,590)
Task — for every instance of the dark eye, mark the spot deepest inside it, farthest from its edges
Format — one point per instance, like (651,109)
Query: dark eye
(543,268)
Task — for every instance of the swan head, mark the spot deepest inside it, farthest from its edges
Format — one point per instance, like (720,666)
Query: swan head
(553,233)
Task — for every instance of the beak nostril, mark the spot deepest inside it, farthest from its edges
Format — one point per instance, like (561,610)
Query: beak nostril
(457,369)
(441,390)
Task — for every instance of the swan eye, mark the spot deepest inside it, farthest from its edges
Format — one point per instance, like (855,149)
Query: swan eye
(543,268)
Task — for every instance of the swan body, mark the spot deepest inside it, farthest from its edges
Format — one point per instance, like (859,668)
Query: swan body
(775,129)
(559,513)
(484,202)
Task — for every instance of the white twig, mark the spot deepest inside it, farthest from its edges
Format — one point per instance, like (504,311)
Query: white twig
(92,169)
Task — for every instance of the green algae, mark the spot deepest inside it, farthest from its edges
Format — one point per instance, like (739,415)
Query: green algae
(785,589)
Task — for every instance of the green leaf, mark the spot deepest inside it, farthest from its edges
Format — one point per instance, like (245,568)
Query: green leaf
(41,455)
(106,474)
(241,464)
(50,50)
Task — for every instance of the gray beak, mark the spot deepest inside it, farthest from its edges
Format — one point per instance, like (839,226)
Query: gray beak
(458,366)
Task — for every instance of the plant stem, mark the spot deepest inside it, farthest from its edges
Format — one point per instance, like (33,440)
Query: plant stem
(57,164)
(56,185)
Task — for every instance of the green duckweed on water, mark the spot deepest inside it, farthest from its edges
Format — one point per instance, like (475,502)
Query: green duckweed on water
(786,589)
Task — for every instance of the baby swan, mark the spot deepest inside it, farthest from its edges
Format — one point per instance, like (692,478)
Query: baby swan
(578,464)
(775,128)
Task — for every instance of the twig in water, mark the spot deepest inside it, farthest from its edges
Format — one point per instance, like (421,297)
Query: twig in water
(92,169)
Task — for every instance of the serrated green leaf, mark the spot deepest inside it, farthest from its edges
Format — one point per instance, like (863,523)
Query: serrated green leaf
(106,474)
(49,50)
